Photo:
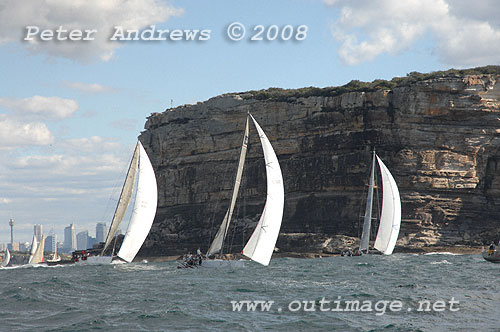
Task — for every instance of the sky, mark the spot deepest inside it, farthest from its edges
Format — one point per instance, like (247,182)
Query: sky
(71,109)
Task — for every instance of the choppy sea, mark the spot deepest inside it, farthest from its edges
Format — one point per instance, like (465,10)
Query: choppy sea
(402,292)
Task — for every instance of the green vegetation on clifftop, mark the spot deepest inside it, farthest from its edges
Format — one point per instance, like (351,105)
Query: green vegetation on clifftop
(278,94)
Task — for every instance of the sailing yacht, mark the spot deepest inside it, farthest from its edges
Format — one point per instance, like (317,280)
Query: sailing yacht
(390,216)
(260,246)
(142,217)
(55,257)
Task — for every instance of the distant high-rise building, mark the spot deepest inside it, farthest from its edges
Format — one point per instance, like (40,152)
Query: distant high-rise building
(91,241)
(24,246)
(48,244)
(60,246)
(51,243)
(69,238)
(82,240)
(100,232)
(38,231)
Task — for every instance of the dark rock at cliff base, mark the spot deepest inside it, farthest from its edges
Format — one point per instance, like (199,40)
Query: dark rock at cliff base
(439,135)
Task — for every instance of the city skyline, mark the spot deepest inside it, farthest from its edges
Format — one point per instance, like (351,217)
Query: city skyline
(100,231)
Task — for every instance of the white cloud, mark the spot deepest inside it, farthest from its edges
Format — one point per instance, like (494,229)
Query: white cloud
(66,166)
(466,33)
(101,15)
(483,10)
(71,185)
(92,88)
(47,107)
(14,134)
(36,162)
(91,144)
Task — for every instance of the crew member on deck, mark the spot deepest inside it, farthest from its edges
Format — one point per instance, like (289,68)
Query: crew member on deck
(189,259)
(198,253)
(491,249)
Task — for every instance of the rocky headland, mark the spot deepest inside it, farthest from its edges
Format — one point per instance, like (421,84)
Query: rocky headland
(438,133)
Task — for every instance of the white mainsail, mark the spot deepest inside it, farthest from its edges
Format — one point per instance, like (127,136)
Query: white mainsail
(365,236)
(6,258)
(260,246)
(218,241)
(125,197)
(390,219)
(144,208)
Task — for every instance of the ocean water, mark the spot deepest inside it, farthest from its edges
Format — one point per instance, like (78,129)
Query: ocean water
(159,297)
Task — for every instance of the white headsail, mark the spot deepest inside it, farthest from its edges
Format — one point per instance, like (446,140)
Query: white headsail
(34,246)
(390,219)
(261,244)
(144,208)
(6,258)
(37,256)
(218,241)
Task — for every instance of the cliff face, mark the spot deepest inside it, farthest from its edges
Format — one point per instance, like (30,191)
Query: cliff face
(439,137)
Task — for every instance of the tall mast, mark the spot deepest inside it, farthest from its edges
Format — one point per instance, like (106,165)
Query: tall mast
(125,197)
(218,242)
(365,236)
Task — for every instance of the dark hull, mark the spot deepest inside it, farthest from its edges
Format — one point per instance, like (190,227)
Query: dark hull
(491,256)
(61,262)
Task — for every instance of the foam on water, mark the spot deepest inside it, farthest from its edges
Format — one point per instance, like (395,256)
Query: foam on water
(444,261)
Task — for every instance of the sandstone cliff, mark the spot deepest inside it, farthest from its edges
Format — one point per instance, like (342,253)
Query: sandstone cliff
(439,136)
